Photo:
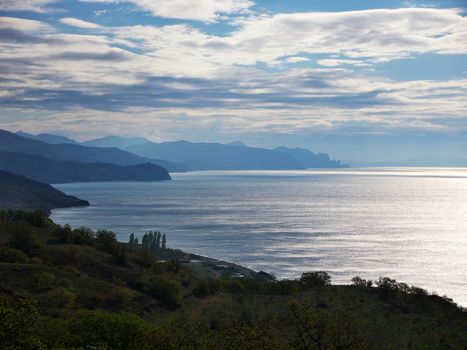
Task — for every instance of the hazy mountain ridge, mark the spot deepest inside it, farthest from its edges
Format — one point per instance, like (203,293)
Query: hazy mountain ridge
(51,171)
(310,159)
(49,138)
(216,156)
(19,192)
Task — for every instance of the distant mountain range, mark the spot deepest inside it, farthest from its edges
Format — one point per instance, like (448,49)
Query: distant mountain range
(52,171)
(49,138)
(19,192)
(216,156)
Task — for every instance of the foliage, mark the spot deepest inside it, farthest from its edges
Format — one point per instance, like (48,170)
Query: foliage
(22,238)
(106,241)
(12,255)
(315,279)
(164,288)
(45,280)
(360,282)
(323,329)
(19,321)
(37,218)
(62,297)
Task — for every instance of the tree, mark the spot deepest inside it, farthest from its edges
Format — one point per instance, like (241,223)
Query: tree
(164,242)
(145,243)
(164,288)
(131,243)
(360,282)
(106,241)
(23,238)
(323,329)
(158,241)
(315,279)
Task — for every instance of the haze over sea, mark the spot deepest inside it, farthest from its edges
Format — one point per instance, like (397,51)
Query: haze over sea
(406,223)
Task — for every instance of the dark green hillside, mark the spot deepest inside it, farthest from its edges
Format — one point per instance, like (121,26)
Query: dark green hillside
(52,171)
(19,192)
(76,289)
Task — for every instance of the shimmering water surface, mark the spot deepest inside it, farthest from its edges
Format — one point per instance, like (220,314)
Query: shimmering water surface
(406,223)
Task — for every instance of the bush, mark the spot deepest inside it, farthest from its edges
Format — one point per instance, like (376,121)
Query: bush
(18,324)
(22,238)
(122,295)
(283,287)
(63,233)
(82,236)
(106,241)
(120,255)
(45,280)
(63,297)
(360,282)
(164,288)
(12,255)
(201,290)
(315,279)
(108,331)
(36,218)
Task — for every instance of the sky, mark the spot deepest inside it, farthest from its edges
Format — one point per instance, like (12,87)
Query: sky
(362,80)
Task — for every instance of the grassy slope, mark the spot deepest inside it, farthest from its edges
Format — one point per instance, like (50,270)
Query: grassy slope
(390,322)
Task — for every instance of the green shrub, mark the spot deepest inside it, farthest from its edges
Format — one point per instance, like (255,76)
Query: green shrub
(36,218)
(107,330)
(82,236)
(22,238)
(164,288)
(19,321)
(120,255)
(12,255)
(63,297)
(122,295)
(45,280)
(201,289)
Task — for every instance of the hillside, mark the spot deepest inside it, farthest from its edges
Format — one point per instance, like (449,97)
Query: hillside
(52,171)
(64,288)
(19,192)
(10,142)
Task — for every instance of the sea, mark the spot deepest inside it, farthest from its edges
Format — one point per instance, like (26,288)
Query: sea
(409,224)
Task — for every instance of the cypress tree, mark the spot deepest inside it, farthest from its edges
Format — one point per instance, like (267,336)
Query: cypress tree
(164,242)
(146,242)
(158,241)
(131,243)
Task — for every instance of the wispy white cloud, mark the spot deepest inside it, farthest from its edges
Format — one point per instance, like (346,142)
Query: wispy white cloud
(25,5)
(199,10)
(76,22)
(139,76)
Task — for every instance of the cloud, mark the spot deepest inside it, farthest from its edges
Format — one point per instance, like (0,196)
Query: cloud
(199,10)
(75,22)
(25,5)
(139,76)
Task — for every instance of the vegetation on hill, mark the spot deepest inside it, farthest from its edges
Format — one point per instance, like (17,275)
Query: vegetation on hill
(64,288)
(51,171)
(19,192)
